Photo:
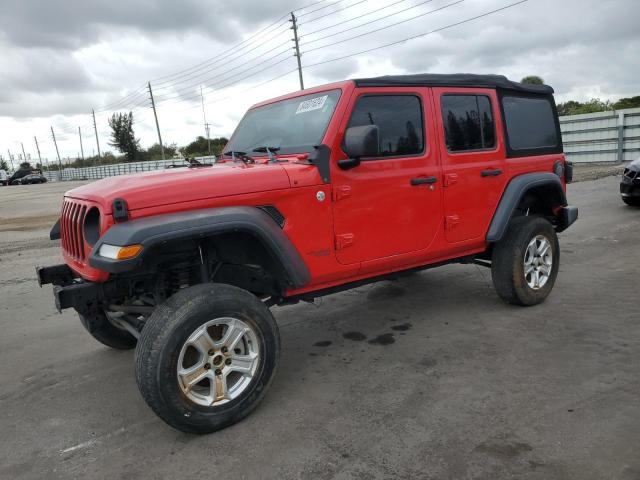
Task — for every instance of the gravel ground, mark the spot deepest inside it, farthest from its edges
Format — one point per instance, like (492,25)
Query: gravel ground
(429,377)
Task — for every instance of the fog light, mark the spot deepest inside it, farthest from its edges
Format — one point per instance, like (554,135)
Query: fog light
(119,253)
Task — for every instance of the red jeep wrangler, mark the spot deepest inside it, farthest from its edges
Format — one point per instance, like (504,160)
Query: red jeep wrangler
(319,191)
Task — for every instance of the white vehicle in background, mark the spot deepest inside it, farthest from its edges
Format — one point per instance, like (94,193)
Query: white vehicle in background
(4,178)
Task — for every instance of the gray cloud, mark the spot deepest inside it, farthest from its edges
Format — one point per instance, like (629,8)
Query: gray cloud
(65,57)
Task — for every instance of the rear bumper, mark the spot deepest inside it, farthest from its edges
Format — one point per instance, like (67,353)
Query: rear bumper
(566,217)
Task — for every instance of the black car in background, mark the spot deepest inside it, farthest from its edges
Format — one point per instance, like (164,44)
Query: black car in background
(630,184)
(29,179)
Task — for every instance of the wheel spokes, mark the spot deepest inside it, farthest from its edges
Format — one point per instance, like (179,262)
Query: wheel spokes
(201,341)
(243,363)
(235,332)
(189,377)
(219,388)
(538,262)
(226,351)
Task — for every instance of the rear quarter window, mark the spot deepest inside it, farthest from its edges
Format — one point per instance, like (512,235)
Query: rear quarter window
(530,124)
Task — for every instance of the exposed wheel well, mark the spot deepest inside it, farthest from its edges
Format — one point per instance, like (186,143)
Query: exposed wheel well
(235,258)
(540,200)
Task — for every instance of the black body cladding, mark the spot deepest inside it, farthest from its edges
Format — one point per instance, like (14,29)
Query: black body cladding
(152,231)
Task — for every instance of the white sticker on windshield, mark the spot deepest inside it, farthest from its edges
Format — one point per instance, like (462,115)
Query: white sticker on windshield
(311,104)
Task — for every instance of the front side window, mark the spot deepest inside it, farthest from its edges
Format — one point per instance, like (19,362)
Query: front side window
(294,125)
(399,121)
(530,123)
(468,122)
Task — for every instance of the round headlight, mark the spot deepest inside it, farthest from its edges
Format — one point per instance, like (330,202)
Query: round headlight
(92,226)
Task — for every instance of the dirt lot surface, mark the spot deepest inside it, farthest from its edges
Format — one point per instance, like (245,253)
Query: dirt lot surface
(429,377)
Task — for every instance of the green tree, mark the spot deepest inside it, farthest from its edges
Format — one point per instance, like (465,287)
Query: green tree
(154,152)
(629,102)
(3,165)
(200,147)
(532,80)
(122,136)
(26,166)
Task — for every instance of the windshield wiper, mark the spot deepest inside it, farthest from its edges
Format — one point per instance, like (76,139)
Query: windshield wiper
(270,151)
(242,156)
(193,163)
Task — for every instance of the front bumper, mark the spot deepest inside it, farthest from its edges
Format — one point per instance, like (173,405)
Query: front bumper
(69,290)
(630,188)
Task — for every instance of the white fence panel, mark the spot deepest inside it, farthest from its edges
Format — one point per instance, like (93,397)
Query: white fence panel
(602,137)
(102,171)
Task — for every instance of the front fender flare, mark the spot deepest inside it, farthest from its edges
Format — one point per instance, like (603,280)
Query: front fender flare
(158,229)
(515,192)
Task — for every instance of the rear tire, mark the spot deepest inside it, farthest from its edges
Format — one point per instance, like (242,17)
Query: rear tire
(522,273)
(206,357)
(106,333)
(631,201)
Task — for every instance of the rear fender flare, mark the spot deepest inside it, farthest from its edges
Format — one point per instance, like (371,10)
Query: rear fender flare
(515,192)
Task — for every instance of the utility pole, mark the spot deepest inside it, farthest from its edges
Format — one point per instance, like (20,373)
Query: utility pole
(155,114)
(95,129)
(53,135)
(294,27)
(24,155)
(11,160)
(206,125)
(38,149)
(81,149)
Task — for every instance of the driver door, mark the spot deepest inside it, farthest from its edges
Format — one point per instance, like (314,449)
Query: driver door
(390,204)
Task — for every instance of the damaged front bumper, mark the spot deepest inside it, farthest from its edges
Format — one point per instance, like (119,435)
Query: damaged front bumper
(69,290)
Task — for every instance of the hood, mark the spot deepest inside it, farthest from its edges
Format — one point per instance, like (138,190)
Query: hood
(176,185)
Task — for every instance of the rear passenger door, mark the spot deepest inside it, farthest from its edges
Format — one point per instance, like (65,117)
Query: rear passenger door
(473,159)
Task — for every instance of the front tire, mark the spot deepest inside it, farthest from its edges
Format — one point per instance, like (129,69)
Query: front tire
(525,262)
(206,357)
(106,333)
(632,201)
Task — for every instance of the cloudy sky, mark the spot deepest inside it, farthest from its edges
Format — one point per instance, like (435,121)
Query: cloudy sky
(62,58)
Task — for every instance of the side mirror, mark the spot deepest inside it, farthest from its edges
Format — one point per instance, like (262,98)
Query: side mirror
(360,142)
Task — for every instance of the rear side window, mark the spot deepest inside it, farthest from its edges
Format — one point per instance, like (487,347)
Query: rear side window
(468,122)
(530,123)
(399,121)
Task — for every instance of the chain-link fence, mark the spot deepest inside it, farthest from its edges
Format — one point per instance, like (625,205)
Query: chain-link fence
(102,171)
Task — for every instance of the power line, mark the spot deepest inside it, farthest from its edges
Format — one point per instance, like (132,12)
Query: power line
(229,57)
(321,8)
(129,96)
(226,85)
(378,29)
(200,82)
(397,42)
(351,19)
(385,18)
(134,97)
(315,19)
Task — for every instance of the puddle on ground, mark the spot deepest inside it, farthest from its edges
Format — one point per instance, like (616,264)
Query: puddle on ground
(403,327)
(355,336)
(384,339)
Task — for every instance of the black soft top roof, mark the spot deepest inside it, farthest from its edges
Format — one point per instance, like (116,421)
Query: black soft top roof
(452,80)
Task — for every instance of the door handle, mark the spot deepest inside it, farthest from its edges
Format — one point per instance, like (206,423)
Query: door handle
(493,172)
(423,180)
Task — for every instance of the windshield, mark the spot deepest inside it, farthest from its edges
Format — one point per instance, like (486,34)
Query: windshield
(292,126)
